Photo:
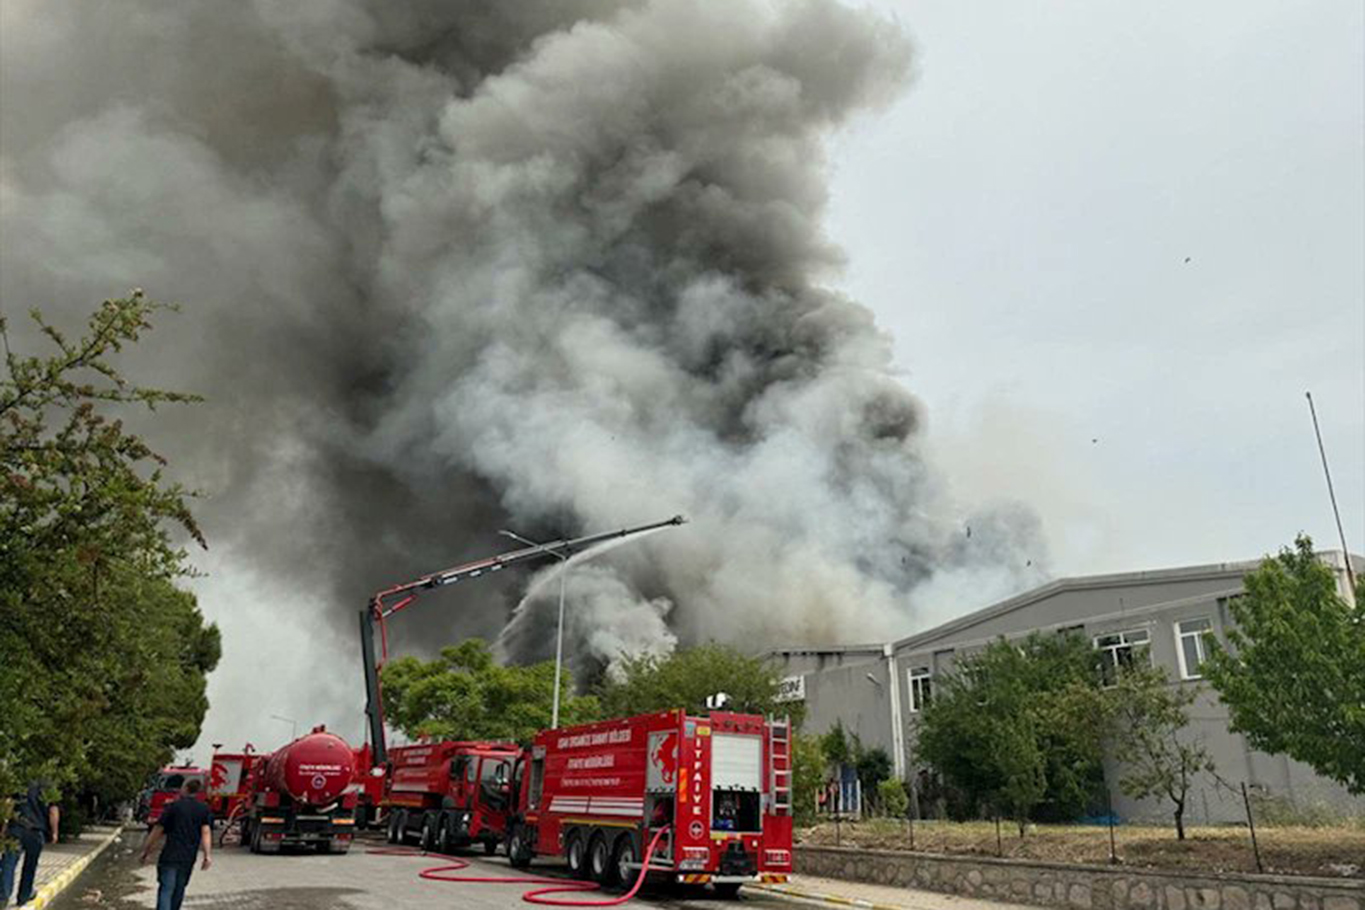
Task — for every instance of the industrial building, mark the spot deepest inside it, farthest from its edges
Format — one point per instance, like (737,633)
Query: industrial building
(1165,616)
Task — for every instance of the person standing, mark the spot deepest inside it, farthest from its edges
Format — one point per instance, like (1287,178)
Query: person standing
(35,822)
(187,825)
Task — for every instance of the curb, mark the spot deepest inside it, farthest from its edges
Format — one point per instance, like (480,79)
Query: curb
(815,897)
(48,893)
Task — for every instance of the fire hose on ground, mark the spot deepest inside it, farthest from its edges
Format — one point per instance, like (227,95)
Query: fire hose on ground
(443,873)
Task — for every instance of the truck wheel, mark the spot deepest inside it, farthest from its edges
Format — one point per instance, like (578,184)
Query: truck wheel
(621,862)
(599,861)
(429,832)
(444,842)
(490,847)
(519,847)
(727,890)
(401,822)
(574,853)
(393,828)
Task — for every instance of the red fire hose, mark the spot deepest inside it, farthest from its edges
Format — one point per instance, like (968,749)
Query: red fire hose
(536,895)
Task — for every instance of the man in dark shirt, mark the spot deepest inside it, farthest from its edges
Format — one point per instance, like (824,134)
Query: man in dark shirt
(34,822)
(187,825)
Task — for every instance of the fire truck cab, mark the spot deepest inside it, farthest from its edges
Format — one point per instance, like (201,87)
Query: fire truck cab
(597,794)
(449,795)
(164,788)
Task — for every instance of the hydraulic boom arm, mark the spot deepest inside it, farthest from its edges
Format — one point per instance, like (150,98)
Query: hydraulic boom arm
(390,600)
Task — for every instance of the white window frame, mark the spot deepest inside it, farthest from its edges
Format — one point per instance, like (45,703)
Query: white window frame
(1201,645)
(919,680)
(1124,643)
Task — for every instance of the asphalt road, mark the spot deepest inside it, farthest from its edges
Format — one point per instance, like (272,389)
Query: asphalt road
(360,880)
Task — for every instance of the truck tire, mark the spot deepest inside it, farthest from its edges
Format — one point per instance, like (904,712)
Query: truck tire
(622,857)
(490,847)
(727,891)
(576,854)
(401,821)
(393,836)
(519,849)
(600,868)
(428,841)
(444,842)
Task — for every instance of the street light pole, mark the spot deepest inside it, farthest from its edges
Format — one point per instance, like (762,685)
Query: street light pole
(559,642)
(559,633)
(293,726)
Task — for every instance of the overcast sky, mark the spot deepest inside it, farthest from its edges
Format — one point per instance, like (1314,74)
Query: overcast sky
(1021,222)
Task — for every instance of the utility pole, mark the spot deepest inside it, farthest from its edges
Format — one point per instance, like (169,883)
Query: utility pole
(1332,495)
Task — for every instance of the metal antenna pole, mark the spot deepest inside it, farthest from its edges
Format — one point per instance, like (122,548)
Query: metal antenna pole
(1332,494)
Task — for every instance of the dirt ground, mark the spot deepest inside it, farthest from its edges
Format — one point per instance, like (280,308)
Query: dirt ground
(1334,851)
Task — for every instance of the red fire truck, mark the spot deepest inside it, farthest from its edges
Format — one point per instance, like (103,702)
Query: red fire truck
(164,788)
(229,782)
(450,794)
(301,795)
(598,793)
(368,786)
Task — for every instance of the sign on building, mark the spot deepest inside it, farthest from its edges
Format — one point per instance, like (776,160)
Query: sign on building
(792,688)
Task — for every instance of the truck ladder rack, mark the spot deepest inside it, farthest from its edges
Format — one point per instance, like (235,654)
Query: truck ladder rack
(780,753)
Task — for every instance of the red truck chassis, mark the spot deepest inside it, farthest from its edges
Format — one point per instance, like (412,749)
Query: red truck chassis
(450,794)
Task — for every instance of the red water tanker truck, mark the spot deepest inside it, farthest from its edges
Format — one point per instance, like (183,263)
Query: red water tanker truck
(450,794)
(301,796)
(598,794)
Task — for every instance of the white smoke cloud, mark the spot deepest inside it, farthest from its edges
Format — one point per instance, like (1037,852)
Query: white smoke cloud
(453,266)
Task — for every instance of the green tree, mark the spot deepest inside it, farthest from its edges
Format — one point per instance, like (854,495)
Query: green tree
(104,658)
(1017,728)
(873,766)
(1293,677)
(689,676)
(466,694)
(1159,757)
(810,770)
(893,797)
(837,746)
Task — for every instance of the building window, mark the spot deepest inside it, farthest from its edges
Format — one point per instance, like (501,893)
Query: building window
(1192,645)
(921,688)
(1119,650)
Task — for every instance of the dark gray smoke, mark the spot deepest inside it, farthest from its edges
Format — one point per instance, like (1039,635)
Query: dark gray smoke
(455,266)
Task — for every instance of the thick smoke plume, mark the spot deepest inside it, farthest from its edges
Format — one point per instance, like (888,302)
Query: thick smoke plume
(448,267)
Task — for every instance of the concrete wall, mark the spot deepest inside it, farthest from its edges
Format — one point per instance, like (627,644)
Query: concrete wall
(1081,887)
(847,695)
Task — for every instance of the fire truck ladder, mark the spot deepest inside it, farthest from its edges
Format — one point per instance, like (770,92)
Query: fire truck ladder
(389,601)
(780,748)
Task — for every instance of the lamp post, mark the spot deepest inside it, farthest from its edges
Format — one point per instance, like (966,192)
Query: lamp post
(559,633)
(293,725)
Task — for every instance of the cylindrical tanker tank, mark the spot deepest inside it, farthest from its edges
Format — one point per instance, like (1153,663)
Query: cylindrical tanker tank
(314,769)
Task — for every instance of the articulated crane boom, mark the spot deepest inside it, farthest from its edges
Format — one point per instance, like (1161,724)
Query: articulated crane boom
(389,601)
